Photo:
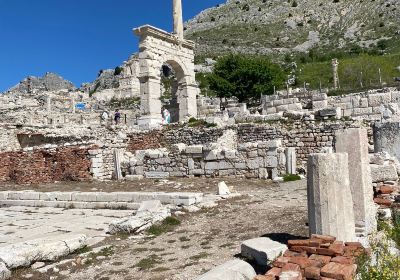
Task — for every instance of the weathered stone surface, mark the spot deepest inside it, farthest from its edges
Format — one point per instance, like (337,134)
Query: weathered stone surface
(24,254)
(231,270)
(262,249)
(354,142)
(4,272)
(382,173)
(141,221)
(330,205)
(223,189)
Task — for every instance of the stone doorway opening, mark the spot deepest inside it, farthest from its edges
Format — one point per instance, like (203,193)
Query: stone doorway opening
(170,90)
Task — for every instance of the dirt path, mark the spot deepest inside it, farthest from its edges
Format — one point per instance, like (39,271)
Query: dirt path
(203,239)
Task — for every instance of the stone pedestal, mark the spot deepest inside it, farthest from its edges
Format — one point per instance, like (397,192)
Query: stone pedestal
(291,164)
(330,204)
(117,164)
(354,142)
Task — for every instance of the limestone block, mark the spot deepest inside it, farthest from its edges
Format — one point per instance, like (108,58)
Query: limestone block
(150,206)
(330,204)
(190,163)
(4,272)
(270,144)
(262,249)
(271,110)
(3,195)
(133,177)
(156,175)
(106,197)
(178,148)
(364,102)
(84,196)
(295,107)
(381,173)
(231,270)
(56,196)
(377,99)
(282,108)
(212,165)
(362,111)
(271,161)
(212,155)
(253,163)
(319,104)
(354,142)
(396,96)
(197,149)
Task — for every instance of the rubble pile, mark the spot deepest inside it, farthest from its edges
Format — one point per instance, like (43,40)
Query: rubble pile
(320,257)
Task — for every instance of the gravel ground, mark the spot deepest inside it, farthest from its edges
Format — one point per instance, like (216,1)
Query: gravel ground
(203,240)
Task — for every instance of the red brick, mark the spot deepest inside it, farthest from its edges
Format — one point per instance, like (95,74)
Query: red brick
(343,260)
(299,242)
(289,253)
(264,277)
(325,252)
(339,271)
(324,238)
(326,278)
(354,244)
(323,260)
(312,272)
(315,242)
(281,261)
(383,201)
(291,275)
(386,189)
(304,249)
(337,247)
(291,267)
(303,262)
(275,271)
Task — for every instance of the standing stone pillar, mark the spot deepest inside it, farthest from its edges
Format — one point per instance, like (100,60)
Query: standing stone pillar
(150,105)
(73,105)
(335,67)
(354,142)
(117,165)
(330,205)
(48,104)
(291,164)
(178,18)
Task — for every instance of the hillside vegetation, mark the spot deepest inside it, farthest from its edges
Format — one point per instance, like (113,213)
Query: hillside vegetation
(281,26)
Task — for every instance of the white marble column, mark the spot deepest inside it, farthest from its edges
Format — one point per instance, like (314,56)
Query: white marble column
(178,18)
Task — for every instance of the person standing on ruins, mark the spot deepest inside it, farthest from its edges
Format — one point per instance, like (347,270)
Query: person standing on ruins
(117,116)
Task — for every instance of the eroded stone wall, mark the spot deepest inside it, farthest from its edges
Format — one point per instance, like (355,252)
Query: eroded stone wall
(45,166)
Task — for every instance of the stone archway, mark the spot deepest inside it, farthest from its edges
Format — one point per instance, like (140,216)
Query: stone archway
(157,47)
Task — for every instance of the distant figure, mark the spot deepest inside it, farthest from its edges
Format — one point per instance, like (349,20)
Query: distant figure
(117,116)
(167,116)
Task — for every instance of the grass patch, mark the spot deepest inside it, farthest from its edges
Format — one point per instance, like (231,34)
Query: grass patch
(149,262)
(167,225)
(291,178)
(184,239)
(202,255)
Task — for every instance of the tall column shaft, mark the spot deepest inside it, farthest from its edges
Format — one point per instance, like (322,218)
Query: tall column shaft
(178,18)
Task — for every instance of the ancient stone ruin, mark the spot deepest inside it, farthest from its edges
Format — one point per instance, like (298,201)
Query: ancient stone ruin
(292,188)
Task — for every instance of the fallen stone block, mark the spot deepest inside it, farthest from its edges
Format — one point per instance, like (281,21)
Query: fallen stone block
(152,206)
(141,221)
(262,250)
(232,270)
(26,253)
(4,272)
(381,173)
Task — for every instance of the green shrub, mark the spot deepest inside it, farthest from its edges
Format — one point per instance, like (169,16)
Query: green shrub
(291,177)
(167,225)
(383,264)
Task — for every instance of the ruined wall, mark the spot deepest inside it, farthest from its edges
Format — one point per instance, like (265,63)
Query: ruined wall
(253,160)
(45,166)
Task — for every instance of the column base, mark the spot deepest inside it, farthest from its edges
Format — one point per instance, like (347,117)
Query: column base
(148,122)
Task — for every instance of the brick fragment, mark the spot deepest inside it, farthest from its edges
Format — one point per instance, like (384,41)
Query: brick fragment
(337,247)
(339,271)
(312,272)
(383,201)
(291,267)
(323,260)
(264,277)
(325,252)
(324,238)
(343,260)
(281,261)
(275,271)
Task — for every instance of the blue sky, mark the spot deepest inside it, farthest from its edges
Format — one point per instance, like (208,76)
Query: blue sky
(76,38)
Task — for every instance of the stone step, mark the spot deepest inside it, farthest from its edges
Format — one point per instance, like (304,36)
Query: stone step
(71,204)
(176,198)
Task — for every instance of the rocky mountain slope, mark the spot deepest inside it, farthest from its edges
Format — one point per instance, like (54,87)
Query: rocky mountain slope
(279,26)
(49,82)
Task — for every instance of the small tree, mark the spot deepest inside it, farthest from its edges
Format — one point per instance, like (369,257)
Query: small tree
(245,77)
